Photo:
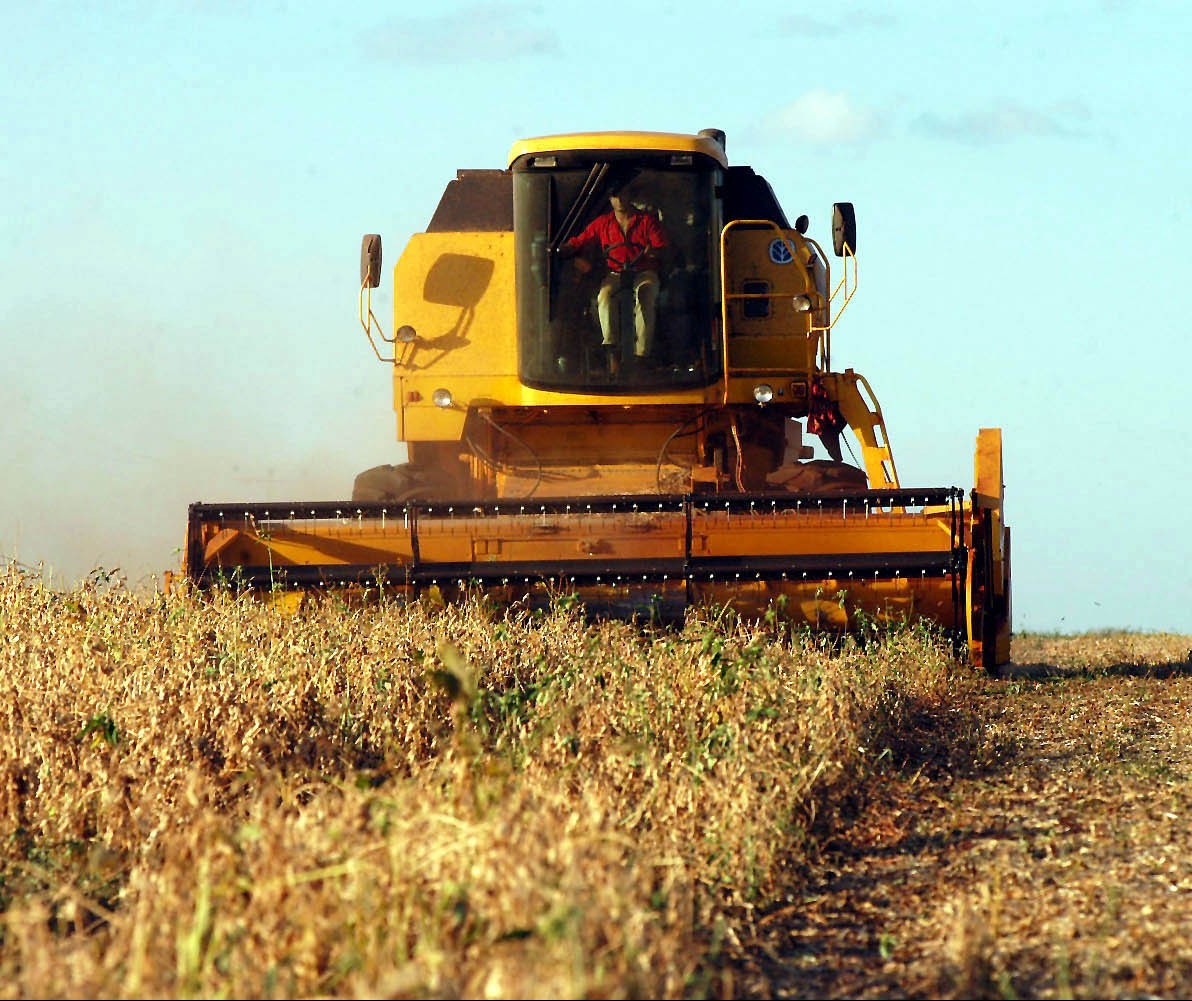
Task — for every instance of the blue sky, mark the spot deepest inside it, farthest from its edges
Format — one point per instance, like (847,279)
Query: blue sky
(185,186)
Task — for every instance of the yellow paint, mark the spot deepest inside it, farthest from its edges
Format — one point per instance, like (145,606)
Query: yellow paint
(613,141)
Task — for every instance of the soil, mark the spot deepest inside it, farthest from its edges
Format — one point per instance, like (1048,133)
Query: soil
(1031,840)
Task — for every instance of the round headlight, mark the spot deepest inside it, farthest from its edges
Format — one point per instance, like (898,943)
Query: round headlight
(802,304)
(763,393)
(405,334)
(442,398)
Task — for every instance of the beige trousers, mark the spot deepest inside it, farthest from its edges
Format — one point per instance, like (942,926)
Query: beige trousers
(645,297)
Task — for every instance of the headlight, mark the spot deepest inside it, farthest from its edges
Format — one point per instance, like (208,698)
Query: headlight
(763,393)
(802,304)
(405,334)
(442,398)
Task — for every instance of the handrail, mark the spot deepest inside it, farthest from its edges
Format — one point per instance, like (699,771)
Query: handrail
(848,255)
(826,330)
(366,290)
(825,310)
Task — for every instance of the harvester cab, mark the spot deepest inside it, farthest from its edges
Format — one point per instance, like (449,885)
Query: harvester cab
(607,358)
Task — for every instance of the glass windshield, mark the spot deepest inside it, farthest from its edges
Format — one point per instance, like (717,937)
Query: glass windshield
(617,274)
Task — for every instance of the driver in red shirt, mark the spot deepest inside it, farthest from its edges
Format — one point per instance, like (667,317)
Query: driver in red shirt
(629,240)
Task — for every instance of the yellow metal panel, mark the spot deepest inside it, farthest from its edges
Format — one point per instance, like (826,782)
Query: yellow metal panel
(988,485)
(426,422)
(747,254)
(718,533)
(310,545)
(764,270)
(526,539)
(456,291)
(773,354)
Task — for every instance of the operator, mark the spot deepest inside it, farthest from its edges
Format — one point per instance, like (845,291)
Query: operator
(630,240)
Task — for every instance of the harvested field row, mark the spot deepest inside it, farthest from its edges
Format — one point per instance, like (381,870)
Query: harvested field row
(1056,864)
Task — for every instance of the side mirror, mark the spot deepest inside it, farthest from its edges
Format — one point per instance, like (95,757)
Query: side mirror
(844,228)
(370,260)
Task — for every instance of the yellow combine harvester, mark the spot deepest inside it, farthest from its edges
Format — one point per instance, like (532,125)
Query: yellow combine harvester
(605,358)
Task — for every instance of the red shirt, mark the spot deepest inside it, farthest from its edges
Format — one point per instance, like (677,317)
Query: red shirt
(620,247)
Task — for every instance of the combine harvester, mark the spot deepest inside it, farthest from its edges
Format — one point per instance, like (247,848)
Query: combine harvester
(605,358)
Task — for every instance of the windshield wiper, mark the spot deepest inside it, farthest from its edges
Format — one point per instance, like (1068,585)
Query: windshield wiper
(580,206)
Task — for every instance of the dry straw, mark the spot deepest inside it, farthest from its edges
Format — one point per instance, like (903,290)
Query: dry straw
(207,797)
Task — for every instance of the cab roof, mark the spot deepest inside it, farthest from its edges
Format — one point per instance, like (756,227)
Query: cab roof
(664,142)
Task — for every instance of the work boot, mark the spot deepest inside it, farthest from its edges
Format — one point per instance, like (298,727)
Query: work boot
(645,363)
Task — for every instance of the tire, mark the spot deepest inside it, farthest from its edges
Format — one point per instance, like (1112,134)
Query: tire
(386,483)
(405,482)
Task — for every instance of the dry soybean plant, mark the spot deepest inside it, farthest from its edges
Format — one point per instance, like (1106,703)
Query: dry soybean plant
(205,796)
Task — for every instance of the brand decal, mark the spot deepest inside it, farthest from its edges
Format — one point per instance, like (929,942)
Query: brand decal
(780,252)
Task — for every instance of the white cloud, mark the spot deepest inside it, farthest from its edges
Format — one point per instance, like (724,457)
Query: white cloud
(485,32)
(1004,121)
(826,118)
(800,24)
(844,24)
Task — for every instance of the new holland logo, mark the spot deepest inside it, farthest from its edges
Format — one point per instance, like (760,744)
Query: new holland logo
(780,251)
